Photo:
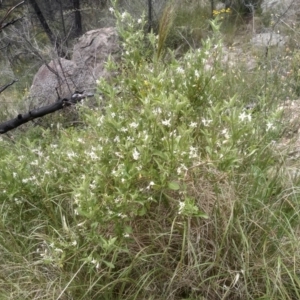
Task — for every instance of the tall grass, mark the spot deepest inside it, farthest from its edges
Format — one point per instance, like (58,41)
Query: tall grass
(165,25)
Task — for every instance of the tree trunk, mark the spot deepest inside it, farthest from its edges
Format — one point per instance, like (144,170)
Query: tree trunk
(78,24)
(46,27)
(149,15)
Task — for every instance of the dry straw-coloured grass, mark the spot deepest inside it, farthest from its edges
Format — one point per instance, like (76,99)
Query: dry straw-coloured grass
(165,25)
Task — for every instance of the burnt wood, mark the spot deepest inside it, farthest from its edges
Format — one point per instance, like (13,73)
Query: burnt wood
(42,111)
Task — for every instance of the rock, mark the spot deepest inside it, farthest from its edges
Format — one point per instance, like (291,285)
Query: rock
(279,6)
(59,77)
(268,39)
(92,51)
(62,76)
(285,10)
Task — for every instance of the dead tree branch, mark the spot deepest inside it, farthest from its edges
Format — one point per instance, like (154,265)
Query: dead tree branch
(42,111)
(4,87)
(2,24)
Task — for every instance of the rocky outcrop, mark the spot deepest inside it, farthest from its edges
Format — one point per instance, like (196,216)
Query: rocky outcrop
(267,39)
(93,49)
(62,77)
(287,9)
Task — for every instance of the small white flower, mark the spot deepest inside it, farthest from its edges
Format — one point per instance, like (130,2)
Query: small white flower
(93,155)
(117,200)
(166,122)
(133,125)
(182,167)
(193,152)
(269,126)
(206,122)
(100,120)
(117,139)
(135,154)
(71,154)
(197,74)
(180,70)
(139,21)
(193,124)
(119,154)
(123,15)
(111,9)
(150,184)
(17,201)
(243,116)
(225,133)
(181,207)
(122,215)
(157,110)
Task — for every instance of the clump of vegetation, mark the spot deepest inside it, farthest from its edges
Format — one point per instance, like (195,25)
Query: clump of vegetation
(295,72)
(170,193)
(191,24)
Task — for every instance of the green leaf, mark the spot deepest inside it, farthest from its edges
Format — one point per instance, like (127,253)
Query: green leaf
(161,155)
(202,215)
(174,186)
(142,211)
(109,264)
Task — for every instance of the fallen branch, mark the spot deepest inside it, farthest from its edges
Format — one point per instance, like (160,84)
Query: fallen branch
(4,87)
(42,111)
(2,24)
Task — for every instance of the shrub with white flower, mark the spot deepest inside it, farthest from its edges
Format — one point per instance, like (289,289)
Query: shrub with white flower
(168,137)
